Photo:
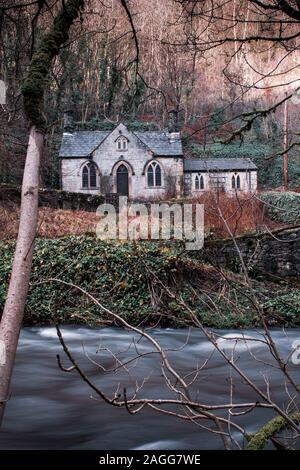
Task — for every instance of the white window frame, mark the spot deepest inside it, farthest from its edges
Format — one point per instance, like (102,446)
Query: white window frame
(154,164)
(237,182)
(88,166)
(217,183)
(200,178)
(122,144)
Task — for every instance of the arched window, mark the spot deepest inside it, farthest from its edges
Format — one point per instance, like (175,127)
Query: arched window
(154,175)
(233,182)
(85,177)
(199,182)
(89,176)
(236,182)
(122,143)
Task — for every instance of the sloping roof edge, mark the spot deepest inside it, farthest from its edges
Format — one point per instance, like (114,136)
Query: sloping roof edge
(218,164)
(81,144)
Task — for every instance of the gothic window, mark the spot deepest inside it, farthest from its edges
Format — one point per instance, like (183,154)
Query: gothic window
(85,177)
(199,182)
(122,143)
(89,176)
(154,175)
(218,183)
(236,182)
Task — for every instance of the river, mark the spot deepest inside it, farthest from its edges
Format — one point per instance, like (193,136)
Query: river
(50,409)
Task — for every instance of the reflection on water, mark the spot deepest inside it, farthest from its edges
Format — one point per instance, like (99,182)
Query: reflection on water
(50,409)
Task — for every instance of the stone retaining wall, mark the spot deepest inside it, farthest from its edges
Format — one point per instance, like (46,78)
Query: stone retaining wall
(277,253)
(54,198)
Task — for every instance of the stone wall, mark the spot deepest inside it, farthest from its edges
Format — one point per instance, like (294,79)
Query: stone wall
(276,253)
(55,199)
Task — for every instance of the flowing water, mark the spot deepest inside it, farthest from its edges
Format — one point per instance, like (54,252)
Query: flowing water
(51,409)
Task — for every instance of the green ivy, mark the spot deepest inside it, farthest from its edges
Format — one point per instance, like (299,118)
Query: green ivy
(287,304)
(118,275)
(283,207)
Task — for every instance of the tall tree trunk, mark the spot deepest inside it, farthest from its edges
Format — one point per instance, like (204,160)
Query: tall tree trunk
(33,92)
(14,306)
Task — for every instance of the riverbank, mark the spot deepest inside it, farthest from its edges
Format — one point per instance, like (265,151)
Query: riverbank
(143,283)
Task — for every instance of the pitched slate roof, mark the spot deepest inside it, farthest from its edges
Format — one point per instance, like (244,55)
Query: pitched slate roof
(160,143)
(219,164)
(83,143)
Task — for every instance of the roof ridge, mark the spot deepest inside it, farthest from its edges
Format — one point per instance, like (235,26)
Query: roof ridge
(83,142)
(91,132)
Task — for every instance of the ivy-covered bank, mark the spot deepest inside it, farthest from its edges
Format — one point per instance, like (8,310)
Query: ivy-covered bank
(282,207)
(129,279)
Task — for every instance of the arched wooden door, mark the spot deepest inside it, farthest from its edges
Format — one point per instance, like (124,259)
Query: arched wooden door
(122,180)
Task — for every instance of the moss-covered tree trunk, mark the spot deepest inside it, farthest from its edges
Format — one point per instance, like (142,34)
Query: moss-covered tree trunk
(33,89)
(276,425)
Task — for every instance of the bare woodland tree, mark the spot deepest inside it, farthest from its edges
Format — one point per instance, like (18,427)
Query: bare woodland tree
(33,91)
(250,35)
(207,26)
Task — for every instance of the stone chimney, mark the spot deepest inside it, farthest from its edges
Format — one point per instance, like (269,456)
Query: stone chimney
(68,122)
(173,128)
(173,121)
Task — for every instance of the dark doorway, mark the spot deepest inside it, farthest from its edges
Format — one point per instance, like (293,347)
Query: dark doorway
(122,180)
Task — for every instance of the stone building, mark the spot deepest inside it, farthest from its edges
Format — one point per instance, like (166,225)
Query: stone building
(145,165)
(220,174)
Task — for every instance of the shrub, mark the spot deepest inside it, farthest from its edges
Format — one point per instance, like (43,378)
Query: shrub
(283,206)
(285,304)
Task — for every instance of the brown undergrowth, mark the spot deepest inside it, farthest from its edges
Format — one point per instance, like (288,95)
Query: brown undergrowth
(241,215)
